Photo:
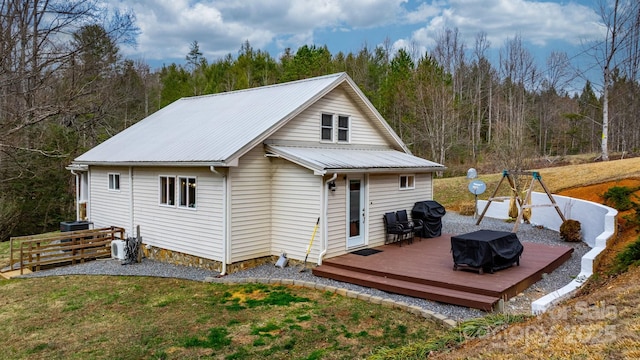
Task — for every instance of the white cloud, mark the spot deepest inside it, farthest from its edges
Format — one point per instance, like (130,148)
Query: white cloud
(168,27)
(536,22)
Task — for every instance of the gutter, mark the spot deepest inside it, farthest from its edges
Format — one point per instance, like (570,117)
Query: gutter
(225,228)
(325,214)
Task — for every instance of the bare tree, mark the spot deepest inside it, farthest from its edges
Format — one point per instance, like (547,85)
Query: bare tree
(621,21)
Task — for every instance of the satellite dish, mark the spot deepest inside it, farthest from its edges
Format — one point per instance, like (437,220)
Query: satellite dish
(472,173)
(477,187)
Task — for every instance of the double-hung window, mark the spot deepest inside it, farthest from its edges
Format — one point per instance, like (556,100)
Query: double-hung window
(187,191)
(331,123)
(327,127)
(167,190)
(343,128)
(407,182)
(114,182)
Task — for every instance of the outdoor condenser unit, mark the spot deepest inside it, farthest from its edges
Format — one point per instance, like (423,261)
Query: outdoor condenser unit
(117,249)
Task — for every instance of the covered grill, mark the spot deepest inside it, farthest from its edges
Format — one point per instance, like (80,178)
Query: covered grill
(430,212)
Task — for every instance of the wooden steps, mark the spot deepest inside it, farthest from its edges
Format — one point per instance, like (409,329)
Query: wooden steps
(409,287)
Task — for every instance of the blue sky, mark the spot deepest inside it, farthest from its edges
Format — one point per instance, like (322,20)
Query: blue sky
(168,27)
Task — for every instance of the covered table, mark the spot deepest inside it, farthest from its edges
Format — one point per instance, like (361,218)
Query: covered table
(486,250)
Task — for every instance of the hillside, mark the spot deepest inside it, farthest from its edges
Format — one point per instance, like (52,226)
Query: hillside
(602,320)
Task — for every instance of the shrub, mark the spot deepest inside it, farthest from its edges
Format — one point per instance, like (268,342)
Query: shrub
(629,256)
(619,197)
(570,231)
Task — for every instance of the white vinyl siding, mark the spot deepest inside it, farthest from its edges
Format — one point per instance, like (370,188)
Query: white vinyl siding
(295,209)
(337,215)
(306,126)
(108,207)
(385,196)
(197,232)
(250,206)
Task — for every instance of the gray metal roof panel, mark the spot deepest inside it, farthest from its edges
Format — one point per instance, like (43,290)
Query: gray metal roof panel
(352,158)
(209,128)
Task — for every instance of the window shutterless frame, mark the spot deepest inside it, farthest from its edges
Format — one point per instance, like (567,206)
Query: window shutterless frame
(167,188)
(407,182)
(326,127)
(187,192)
(114,181)
(344,124)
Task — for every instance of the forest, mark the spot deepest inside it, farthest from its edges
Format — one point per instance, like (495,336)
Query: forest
(65,87)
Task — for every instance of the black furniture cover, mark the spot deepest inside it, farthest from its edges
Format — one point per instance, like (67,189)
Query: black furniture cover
(430,212)
(486,249)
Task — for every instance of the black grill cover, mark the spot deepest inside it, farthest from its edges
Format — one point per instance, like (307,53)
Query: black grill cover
(488,249)
(431,213)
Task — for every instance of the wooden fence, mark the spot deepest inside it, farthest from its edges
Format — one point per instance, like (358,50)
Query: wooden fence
(35,251)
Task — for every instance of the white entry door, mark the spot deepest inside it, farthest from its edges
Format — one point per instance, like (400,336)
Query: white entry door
(355,212)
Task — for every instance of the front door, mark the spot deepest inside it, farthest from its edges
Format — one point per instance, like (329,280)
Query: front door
(355,212)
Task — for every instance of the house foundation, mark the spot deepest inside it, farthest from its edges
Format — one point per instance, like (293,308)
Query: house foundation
(178,258)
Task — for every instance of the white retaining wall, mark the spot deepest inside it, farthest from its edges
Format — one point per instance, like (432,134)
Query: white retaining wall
(598,224)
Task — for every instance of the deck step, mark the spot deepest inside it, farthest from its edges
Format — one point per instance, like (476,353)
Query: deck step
(398,286)
(437,282)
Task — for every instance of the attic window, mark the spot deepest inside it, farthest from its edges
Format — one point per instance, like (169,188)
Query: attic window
(343,128)
(327,127)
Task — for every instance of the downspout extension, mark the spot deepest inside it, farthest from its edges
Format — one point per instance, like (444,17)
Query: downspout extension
(224,219)
(325,223)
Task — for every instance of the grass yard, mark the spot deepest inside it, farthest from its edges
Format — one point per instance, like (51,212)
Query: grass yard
(101,317)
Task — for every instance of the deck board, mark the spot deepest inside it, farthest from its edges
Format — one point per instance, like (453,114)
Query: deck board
(428,265)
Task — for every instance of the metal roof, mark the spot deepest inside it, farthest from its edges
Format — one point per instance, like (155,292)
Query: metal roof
(215,129)
(352,159)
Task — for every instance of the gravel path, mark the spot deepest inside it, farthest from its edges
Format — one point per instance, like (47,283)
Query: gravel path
(452,223)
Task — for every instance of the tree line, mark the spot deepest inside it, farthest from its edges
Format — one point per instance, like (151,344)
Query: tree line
(62,95)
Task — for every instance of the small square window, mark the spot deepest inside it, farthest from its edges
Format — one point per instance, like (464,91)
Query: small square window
(114,181)
(407,182)
(327,127)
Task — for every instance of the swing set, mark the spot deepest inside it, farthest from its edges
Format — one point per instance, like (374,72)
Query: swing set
(523,206)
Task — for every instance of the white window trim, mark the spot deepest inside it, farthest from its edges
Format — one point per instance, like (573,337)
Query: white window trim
(110,182)
(333,127)
(160,190)
(348,128)
(179,192)
(407,187)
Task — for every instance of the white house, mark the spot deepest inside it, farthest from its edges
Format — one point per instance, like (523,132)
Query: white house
(229,178)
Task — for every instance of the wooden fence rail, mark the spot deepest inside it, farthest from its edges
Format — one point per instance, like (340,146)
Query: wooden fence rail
(35,251)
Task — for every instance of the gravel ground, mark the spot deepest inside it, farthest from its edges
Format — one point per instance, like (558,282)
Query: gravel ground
(452,223)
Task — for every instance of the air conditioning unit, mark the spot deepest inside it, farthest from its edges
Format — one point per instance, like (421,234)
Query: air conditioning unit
(117,249)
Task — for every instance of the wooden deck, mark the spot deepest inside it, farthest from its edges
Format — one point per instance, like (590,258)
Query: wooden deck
(424,269)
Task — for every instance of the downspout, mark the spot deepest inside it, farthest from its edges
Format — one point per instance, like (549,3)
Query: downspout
(224,220)
(325,214)
(74,173)
(131,201)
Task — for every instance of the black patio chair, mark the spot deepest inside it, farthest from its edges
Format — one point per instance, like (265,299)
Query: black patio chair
(415,225)
(394,229)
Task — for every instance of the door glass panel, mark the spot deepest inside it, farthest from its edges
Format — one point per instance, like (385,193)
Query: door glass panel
(354,208)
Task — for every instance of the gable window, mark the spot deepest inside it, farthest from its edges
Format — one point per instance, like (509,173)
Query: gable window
(343,128)
(327,127)
(167,190)
(187,191)
(407,182)
(114,182)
